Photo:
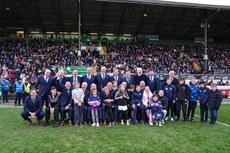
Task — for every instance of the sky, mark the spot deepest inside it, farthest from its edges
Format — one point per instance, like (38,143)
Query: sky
(207,2)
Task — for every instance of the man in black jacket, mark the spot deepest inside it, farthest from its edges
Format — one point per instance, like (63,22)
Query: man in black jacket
(182,98)
(214,102)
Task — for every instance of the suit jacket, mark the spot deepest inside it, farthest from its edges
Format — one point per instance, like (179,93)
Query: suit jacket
(101,83)
(119,81)
(29,106)
(152,84)
(78,79)
(87,94)
(43,86)
(175,82)
(89,82)
(66,97)
(59,86)
(131,82)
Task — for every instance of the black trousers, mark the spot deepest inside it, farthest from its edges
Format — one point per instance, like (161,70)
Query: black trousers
(179,104)
(109,114)
(203,112)
(18,98)
(123,115)
(56,114)
(191,108)
(45,100)
(24,96)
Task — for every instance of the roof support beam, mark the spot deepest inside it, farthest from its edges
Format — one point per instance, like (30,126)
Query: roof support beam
(122,18)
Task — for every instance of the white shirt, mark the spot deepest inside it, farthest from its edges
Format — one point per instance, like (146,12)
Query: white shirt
(78,95)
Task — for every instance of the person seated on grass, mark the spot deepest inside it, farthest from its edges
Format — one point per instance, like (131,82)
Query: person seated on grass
(33,108)
(156,108)
(54,100)
(214,102)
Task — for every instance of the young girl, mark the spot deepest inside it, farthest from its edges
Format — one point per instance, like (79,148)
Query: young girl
(136,102)
(122,101)
(108,101)
(156,108)
(94,101)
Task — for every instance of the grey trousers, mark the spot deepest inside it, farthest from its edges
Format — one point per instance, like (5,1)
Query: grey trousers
(95,116)
(78,114)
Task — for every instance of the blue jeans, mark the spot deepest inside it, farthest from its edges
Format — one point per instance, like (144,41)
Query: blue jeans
(87,113)
(101,112)
(213,115)
(142,109)
(5,96)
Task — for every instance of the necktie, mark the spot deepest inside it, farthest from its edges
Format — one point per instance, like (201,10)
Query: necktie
(47,79)
(89,77)
(103,76)
(128,80)
(116,78)
(60,81)
(151,79)
(74,79)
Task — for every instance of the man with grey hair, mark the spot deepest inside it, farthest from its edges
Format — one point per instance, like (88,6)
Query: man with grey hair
(102,79)
(43,84)
(60,80)
(89,78)
(140,76)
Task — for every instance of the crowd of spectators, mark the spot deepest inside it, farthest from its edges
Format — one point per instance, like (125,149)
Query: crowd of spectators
(19,58)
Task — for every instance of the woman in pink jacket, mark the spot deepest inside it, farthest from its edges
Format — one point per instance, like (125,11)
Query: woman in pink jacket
(147,96)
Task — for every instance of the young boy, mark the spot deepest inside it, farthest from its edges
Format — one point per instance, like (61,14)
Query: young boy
(78,99)
(214,102)
(203,98)
(193,98)
(156,108)
(170,93)
(182,98)
(136,102)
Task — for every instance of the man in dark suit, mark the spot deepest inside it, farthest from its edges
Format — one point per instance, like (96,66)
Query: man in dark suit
(87,109)
(128,79)
(175,82)
(102,79)
(33,108)
(140,76)
(43,85)
(116,77)
(66,103)
(60,80)
(152,81)
(89,78)
(74,78)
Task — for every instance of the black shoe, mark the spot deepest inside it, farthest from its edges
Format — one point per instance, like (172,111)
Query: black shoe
(46,124)
(192,120)
(55,125)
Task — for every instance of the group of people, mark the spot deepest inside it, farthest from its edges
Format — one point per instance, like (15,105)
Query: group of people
(109,100)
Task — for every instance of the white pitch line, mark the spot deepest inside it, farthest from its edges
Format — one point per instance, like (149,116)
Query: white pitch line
(227,125)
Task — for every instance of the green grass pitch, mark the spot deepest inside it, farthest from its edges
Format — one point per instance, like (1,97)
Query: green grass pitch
(173,137)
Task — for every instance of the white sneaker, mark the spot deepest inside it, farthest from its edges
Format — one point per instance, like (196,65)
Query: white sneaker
(172,119)
(160,124)
(94,124)
(163,122)
(151,123)
(166,118)
(97,125)
(122,122)
(110,124)
(127,122)
(156,122)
